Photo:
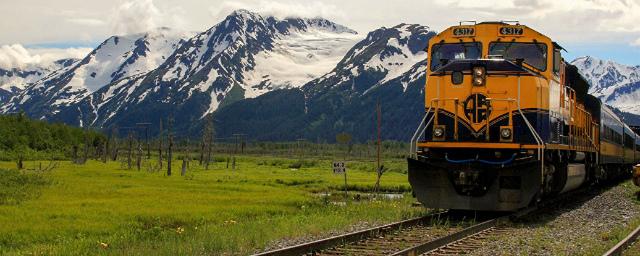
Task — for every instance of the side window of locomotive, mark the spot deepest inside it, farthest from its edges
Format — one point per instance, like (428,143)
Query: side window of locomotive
(443,53)
(557,61)
(533,54)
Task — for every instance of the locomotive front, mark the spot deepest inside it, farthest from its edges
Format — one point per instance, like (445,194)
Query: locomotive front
(491,99)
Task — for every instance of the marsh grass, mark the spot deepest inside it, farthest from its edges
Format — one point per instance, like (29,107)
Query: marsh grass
(101,209)
(17,186)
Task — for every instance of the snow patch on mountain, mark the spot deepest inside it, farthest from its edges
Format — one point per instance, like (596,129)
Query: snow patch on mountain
(615,84)
(606,76)
(296,59)
(117,58)
(14,80)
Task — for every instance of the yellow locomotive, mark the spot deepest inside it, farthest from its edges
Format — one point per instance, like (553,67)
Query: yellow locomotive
(508,122)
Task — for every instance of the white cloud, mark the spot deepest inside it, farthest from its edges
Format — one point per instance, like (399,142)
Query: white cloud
(17,56)
(573,21)
(279,9)
(136,16)
(636,43)
(90,22)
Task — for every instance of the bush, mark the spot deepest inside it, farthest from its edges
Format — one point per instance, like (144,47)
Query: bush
(17,186)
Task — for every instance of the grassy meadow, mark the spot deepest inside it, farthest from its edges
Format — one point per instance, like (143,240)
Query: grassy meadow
(104,209)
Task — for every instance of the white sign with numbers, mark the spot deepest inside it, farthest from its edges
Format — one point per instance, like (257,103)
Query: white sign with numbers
(339,167)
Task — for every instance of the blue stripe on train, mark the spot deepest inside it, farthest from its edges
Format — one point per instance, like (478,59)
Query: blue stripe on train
(540,121)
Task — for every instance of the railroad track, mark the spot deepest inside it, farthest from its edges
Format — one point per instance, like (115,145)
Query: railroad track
(420,236)
(382,240)
(622,245)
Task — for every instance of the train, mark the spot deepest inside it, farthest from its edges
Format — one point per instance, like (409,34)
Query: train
(509,123)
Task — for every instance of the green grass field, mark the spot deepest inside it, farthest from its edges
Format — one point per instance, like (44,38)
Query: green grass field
(103,209)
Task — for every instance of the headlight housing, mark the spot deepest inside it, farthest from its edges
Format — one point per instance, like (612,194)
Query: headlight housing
(438,132)
(506,133)
(479,76)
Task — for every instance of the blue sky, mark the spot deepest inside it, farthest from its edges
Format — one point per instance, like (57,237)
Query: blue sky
(606,29)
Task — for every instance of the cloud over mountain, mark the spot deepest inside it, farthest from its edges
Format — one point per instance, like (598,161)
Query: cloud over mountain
(17,56)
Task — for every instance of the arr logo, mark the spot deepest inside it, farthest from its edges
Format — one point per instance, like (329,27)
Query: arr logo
(477,108)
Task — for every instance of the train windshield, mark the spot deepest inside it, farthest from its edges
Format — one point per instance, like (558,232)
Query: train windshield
(441,54)
(533,54)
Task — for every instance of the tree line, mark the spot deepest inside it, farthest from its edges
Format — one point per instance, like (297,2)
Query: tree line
(20,135)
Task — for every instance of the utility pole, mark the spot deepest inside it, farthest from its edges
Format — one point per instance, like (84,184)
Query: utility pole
(380,168)
(379,112)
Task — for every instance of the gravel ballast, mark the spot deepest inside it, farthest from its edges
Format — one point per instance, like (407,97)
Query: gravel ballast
(588,226)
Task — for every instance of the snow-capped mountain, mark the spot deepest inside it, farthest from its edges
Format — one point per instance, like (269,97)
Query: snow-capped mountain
(14,80)
(385,54)
(615,84)
(388,66)
(244,56)
(116,58)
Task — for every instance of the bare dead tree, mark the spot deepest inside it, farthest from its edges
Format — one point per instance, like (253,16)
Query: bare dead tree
(184,166)
(160,145)
(20,163)
(74,154)
(130,152)
(170,156)
(139,155)
(105,149)
(86,147)
(210,139)
(114,144)
(202,148)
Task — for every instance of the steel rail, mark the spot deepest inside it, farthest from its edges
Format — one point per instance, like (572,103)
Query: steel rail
(433,245)
(327,243)
(622,245)
(444,241)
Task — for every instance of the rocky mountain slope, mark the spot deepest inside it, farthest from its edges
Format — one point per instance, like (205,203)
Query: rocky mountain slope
(14,80)
(244,56)
(615,84)
(386,67)
(117,58)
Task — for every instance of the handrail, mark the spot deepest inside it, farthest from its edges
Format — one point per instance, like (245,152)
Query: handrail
(413,148)
(536,136)
(423,126)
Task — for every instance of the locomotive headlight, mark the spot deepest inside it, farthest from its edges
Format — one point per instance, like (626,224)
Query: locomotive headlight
(438,132)
(478,71)
(505,133)
(478,81)
(479,76)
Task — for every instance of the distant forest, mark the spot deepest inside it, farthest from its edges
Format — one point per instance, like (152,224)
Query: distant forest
(21,135)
